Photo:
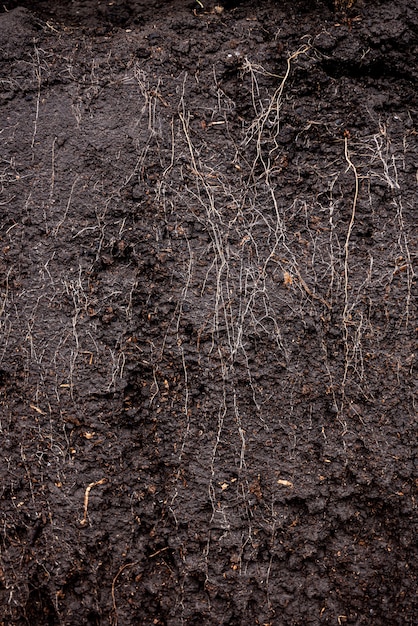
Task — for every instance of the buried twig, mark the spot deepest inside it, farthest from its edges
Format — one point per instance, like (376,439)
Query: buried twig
(84,520)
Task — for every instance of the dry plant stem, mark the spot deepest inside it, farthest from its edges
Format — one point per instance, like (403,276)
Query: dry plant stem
(84,520)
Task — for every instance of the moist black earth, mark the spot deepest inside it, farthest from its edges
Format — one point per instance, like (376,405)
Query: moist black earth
(208,312)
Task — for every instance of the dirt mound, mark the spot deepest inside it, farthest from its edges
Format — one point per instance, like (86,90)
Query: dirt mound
(208,313)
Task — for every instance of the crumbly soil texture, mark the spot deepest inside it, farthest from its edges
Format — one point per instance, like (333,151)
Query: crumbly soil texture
(208,313)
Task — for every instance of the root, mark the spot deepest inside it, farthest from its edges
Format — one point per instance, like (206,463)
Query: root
(84,520)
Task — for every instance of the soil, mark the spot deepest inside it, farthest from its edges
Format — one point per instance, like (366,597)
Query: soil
(208,313)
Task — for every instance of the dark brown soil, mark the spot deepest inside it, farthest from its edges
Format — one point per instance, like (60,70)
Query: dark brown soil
(208,313)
